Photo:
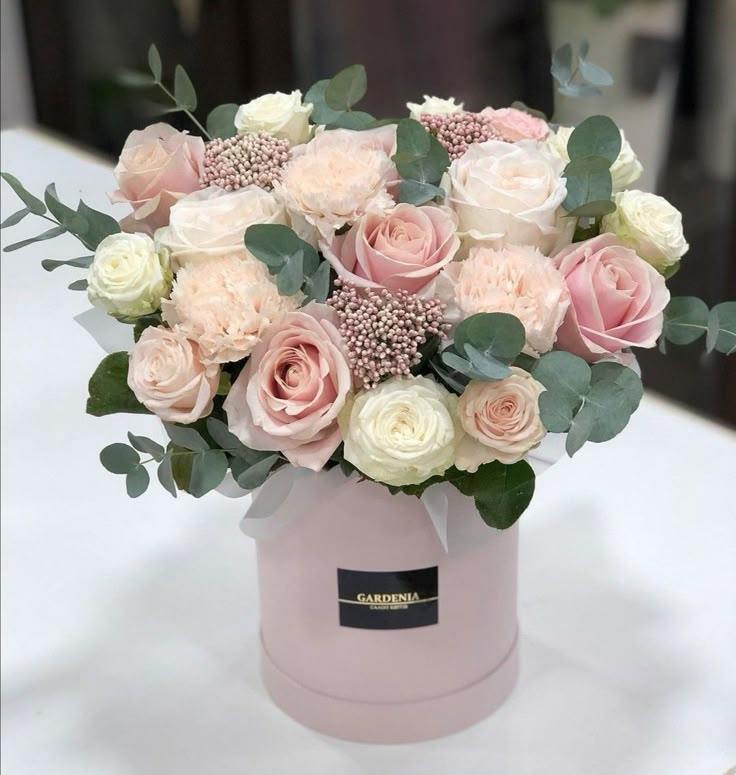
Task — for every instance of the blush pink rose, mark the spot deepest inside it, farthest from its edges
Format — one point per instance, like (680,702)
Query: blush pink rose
(290,393)
(401,249)
(169,378)
(158,166)
(617,298)
(514,125)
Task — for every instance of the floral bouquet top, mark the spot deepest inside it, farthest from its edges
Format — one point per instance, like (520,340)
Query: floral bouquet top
(416,300)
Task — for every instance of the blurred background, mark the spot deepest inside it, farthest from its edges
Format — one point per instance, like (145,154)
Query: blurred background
(674,64)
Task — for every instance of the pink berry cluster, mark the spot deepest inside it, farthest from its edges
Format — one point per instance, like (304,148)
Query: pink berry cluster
(457,131)
(384,330)
(244,160)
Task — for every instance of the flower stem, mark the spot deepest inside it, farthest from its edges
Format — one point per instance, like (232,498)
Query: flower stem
(192,117)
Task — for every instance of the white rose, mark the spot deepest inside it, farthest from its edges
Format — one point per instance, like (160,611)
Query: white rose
(128,277)
(282,115)
(500,419)
(212,222)
(434,105)
(402,431)
(509,194)
(650,225)
(625,170)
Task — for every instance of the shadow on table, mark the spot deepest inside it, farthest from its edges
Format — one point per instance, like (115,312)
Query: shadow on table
(171,685)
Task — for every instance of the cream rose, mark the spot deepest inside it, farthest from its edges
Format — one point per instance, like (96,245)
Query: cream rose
(500,419)
(518,280)
(625,170)
(509,194)
(212,222)
(168,377)
(402,431)
(336,178)
(279,114)
(650,225)
(435,106)
(225,306)
(128,277)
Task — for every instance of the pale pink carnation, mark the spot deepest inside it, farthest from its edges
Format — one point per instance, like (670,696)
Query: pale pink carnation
(514,125)
(500,419)
(403,248)
(226,305)
(518,280)
(292,389)
(169,378)
(157,166)
(337,177)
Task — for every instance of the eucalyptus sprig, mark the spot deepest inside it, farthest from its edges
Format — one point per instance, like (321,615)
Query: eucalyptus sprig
(333,100)
(581,78)
(687,318)
(184,95)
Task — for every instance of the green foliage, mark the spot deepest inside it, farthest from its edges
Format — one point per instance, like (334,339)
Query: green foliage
(208,470)
(184,93)
(485,344)
(15,218)
(589,403)
(144,322)
(333,100)
(56,231)
(34,205)
(78,285)
(147,446)
(119,458)
(137,481)
(251,475)
(578,76)
(154,62)
(186,436)
(49,264)
(165,473)
(421,161)
(502,492)
(294,262)
(108,388)
(686,319)
(221,121)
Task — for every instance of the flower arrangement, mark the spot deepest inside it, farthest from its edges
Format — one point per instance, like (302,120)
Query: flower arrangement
(415,300)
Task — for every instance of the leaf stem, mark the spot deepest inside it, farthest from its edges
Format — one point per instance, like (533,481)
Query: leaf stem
(192,117)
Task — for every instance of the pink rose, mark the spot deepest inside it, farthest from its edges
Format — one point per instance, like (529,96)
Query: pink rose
(157,166)
(514,125)
(168,377)
(290,393)
(401,249)
(617,298)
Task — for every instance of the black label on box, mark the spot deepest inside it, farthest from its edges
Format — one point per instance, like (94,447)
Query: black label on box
(387,600)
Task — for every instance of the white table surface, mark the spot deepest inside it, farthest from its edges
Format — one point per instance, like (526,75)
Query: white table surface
(130,627)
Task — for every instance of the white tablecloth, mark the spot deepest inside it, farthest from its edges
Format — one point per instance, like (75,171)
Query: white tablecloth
(130,627)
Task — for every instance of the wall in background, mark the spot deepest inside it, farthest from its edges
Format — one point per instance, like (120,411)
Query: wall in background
(16,96)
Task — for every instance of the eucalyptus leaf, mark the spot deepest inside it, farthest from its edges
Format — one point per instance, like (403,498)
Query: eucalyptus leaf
(108,388)
(166,476)
(353,119)
(181,467)
(84,262)
(449,378)
(497,333)
(154,62)
(623,376)
(208,470)
(35,205)
(562,64)
(132,79)
(289,279)
(184,92)
(137,481)
(15,218)
(256,475)
(611,410)
(99,225)
(321,113)
(415,193)
(565,375)
(461,365)
(70,219)
(685,319)
(346,88)
(412,141)
(274,244)
(186,437)
(148,446)
(722,320)
(221,121)
(222,435)
(596,209)
(78,285)
(56,231)
(580,429)
(595,136)
(317,287)
(119,458)
(588,180)
(579,90)
(594,74)
(484,363)
(555,412)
